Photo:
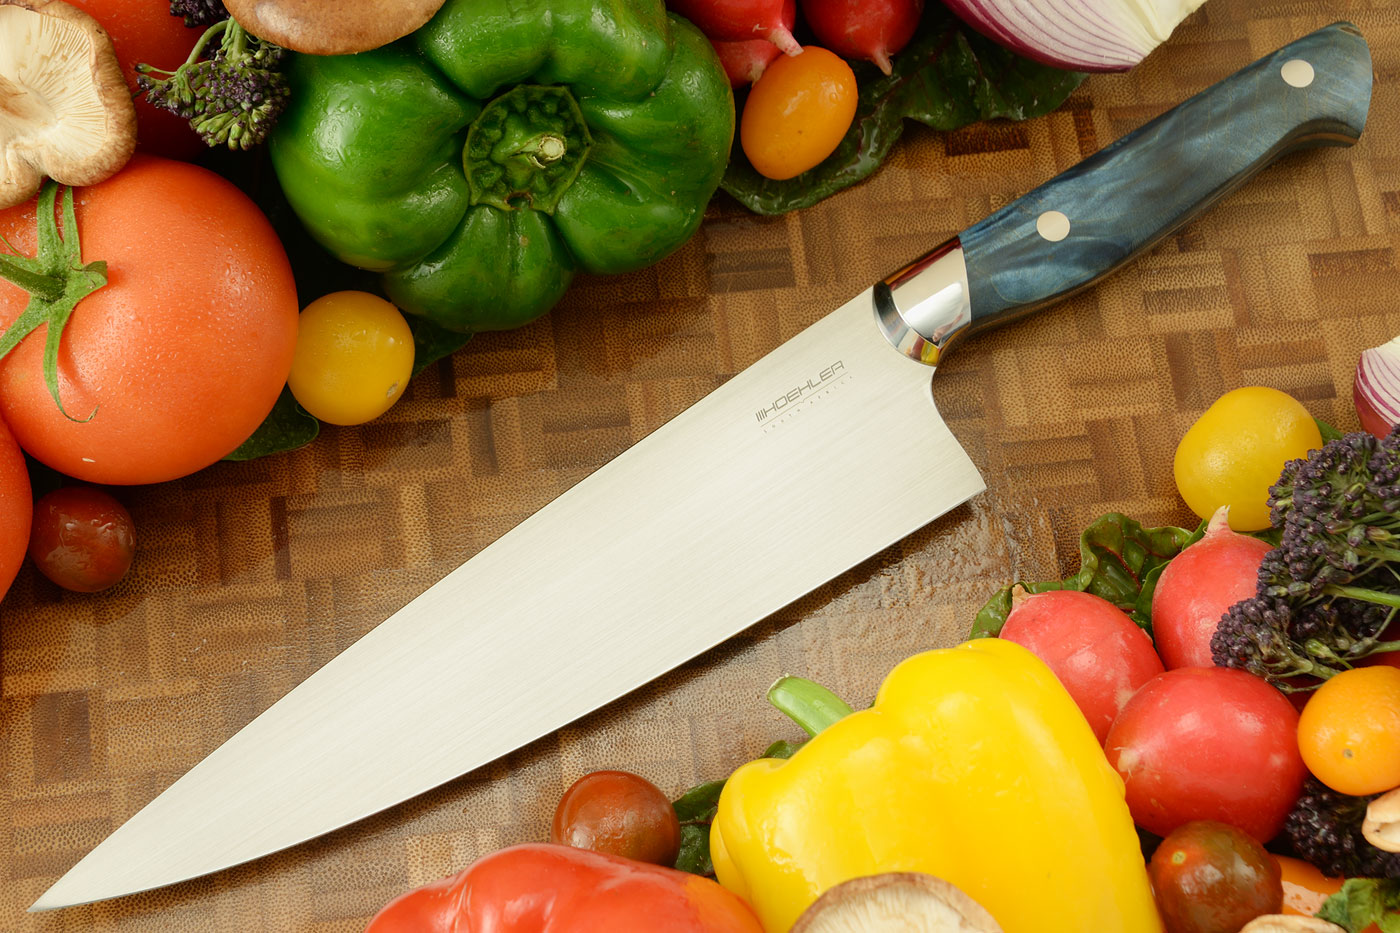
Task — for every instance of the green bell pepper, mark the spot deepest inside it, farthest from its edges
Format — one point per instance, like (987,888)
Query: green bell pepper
(481,161)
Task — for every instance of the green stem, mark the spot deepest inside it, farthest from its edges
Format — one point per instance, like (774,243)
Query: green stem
(807,703)
(45,287)
(56,279)
(1360,592)
(235,44)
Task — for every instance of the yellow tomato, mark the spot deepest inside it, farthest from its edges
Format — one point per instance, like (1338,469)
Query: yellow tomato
(797,112)
(353,358)
(1236,451)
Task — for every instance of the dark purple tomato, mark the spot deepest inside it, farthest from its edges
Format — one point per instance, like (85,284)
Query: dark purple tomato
(618,813)
(82,539)
(1211,877)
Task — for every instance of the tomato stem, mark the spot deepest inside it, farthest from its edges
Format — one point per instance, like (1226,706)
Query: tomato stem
(56,279)
(807,703)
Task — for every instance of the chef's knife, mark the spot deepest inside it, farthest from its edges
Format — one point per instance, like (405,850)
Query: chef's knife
(822,453)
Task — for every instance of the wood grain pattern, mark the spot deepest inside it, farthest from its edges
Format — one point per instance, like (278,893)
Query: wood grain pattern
(250,576)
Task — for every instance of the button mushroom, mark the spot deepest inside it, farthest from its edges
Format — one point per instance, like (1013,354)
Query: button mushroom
(331,27)
(65,110)
(908,902)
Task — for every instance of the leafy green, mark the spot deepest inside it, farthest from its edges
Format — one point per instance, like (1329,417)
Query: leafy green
(1328,432)
(1119,560)
(696,809)
(947,76)
(287,427)
(1362,902)
(431,342)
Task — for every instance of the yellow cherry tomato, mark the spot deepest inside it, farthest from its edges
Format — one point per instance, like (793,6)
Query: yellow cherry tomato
(797,112)
(354,356)
(1236,451)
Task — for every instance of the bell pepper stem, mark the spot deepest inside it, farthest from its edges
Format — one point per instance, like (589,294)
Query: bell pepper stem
(807,703)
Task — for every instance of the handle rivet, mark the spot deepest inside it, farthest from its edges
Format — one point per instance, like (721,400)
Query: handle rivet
(1052,225)
(1297,72)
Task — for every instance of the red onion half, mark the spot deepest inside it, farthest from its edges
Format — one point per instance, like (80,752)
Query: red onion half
(1082,35)
(1376,388)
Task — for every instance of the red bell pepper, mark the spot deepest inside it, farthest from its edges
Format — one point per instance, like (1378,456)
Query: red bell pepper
(537,887)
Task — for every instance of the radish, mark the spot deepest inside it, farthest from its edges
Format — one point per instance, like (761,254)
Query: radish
(741,20)
(1198,587)
(871,30)
(1098,653)
(744,61)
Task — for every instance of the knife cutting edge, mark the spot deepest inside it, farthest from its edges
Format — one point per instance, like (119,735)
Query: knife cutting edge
(821,454)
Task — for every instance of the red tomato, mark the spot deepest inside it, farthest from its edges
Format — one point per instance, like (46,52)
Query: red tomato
(181,355)
(1097,652)
(83,539)
(16,507)
(1208,743)
(618,813)
(143,31)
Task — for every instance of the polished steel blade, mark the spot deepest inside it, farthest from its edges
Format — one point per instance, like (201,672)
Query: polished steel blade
(821,454)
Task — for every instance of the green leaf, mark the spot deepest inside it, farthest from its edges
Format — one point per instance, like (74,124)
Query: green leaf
(287,427)
(696,808)
(432,342)
(783,749)
(1362,902)
(947,76)
(1118,560)
(1328,432)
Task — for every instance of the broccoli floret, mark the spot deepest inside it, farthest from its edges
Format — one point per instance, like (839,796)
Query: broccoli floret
(1325,595)
(234,97)
(199,12)
(1324,828)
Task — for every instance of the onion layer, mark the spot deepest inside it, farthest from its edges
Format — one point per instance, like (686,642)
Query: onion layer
(1376,388)
(1083,35)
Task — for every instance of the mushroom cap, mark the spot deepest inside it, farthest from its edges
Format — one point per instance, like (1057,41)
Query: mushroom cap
(331,27)
(65,110)
(896,902)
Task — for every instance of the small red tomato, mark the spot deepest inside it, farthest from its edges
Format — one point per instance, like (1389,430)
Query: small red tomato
(1210,877)
(618,813)
(82,539)
(1208,743)
(1094,648)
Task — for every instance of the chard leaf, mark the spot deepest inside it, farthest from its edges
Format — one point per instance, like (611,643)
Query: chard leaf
(1118,560)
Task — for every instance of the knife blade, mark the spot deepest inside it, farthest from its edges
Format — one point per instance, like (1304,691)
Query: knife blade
(824,452)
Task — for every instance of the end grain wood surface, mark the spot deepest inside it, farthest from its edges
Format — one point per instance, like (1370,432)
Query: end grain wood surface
(250,576)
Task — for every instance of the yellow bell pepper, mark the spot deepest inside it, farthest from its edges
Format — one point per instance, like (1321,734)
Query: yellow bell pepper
(973,765)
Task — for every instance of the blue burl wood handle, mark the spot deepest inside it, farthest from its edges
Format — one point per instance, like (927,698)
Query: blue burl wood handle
(1125,198)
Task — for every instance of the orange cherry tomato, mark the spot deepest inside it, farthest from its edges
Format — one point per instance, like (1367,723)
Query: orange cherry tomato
(798,112)
(1349,731)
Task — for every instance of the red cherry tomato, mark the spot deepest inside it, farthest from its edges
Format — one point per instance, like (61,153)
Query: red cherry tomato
(618,813)
(83,539)
(143,31)
(1209,877)
(16,507)
(1208,743)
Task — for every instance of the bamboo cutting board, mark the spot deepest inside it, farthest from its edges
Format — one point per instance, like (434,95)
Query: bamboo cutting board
(250,576)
